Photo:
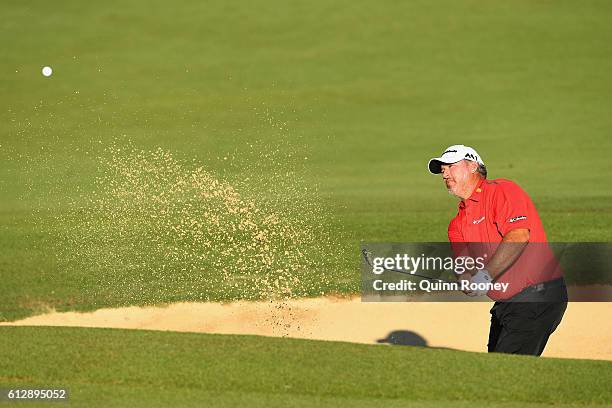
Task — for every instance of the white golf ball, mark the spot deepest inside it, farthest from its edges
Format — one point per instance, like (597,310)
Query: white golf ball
(47,71)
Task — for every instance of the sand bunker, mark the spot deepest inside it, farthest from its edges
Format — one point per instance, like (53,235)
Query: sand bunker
(461,326)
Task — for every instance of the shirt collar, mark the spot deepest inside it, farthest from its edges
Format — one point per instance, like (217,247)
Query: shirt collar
(476,194)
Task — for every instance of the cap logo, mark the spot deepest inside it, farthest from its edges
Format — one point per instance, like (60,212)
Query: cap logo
(449,151)
(471,156)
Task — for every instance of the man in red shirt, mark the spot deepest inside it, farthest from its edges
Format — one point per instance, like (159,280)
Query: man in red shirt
(498,221)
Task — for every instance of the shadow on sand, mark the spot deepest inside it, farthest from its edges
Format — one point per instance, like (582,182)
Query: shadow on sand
(404,338)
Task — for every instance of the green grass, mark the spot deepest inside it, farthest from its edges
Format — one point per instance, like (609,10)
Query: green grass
(361,95)
(367,92)
(104,367)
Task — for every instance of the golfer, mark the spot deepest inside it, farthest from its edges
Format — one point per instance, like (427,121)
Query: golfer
(497,220)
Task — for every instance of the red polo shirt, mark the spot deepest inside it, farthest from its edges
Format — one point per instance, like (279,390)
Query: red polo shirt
(495,208)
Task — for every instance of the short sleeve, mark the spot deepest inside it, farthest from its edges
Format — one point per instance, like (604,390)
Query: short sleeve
(511,208)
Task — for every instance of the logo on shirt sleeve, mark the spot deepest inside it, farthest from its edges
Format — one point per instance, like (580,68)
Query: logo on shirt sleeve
(515,219)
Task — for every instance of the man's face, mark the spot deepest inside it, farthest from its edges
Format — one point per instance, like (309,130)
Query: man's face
(456,176)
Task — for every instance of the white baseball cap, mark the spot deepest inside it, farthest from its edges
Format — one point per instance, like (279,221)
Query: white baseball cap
(453,154)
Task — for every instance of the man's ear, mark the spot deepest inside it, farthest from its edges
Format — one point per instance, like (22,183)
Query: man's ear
(473,166)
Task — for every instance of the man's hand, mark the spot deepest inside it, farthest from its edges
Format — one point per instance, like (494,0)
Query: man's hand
(466,277)
(482,276)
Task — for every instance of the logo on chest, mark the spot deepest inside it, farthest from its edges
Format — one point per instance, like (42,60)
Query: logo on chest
(478,221)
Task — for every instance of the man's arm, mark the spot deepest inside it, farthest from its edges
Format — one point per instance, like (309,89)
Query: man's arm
(508,251)
(510,248)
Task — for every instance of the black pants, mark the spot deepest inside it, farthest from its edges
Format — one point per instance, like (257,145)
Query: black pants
(524,327)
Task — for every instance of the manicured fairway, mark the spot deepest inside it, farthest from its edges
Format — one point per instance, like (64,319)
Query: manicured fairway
(320,114)
(360,94)
(140,368)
